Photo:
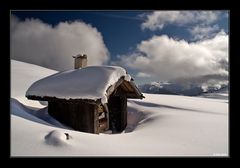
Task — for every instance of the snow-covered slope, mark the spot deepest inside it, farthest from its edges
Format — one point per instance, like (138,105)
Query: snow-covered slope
(22,76)
(159,125)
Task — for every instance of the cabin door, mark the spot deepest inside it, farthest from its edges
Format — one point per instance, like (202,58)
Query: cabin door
(117,113)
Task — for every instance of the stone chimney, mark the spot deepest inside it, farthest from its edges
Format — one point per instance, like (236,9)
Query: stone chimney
(80,61)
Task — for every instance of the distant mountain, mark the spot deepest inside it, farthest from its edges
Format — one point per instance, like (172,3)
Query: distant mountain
(171,88)
(188,86)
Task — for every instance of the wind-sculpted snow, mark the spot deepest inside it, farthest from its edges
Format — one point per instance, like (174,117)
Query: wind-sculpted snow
(159,125)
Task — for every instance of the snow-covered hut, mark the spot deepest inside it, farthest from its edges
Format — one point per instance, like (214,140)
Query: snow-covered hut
(91,99)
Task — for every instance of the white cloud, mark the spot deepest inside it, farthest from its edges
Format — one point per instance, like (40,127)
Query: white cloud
(204,31)
(39,43)
(165,58)
(159,19)
(141,74)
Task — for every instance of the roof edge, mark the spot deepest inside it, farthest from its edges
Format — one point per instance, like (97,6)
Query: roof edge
(48,98)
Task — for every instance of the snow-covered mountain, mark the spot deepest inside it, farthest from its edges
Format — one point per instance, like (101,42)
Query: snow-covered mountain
(22,76)
(189,87)
(159,125)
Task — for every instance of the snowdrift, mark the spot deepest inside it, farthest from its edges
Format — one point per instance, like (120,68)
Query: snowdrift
(159,125)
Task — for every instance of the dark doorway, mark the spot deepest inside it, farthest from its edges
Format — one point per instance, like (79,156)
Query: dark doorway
(117,113)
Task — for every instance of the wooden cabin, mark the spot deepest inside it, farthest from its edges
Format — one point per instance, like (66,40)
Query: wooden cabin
(90,99)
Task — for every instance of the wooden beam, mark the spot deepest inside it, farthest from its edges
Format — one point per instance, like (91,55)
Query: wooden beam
(128,86)
(111,88)
(47,98)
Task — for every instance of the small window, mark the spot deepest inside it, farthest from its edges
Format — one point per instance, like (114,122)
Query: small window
(101,115)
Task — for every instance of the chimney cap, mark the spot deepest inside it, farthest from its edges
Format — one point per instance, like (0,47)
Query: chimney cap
(80,56)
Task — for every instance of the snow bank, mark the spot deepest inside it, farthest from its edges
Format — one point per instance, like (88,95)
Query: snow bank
(159,125)
(22,76)
(20,110)
(87,83)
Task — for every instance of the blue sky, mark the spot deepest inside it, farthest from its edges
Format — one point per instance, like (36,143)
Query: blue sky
(123,31)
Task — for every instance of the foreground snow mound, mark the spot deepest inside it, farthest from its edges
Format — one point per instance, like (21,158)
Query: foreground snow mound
(57,138)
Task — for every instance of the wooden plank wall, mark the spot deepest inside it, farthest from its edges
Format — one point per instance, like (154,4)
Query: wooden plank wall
(84,117)
(78,115)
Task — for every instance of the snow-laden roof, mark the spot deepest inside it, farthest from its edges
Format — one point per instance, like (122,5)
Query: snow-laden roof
(90,82)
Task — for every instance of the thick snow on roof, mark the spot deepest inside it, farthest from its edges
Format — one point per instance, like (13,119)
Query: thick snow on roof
(87,83)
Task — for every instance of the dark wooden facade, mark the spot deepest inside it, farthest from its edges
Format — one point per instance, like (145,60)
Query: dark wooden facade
(78,115)
(90,115)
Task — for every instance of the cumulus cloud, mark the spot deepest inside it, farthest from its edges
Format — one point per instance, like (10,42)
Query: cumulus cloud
(50,46)
(204,31)
(201,24)
(166,58)
(158,19)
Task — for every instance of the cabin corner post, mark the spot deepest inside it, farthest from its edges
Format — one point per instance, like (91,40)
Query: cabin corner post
(124,112)
(107,114)
(96,122)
